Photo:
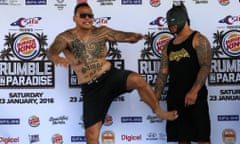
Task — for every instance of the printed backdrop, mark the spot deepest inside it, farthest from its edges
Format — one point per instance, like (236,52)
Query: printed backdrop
(41,103)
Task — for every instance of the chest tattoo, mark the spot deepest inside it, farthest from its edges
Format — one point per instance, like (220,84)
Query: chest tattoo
(79,50)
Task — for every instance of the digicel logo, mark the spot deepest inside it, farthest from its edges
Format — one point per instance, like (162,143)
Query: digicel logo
(9,140)
(131,137)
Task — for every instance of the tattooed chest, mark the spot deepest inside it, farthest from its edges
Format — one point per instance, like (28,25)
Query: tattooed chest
(86,51)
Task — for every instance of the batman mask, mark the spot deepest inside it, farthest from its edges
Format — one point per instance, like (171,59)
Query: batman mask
(177,15)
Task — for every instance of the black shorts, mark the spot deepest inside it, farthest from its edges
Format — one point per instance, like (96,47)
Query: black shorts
(193,124)
(98,96)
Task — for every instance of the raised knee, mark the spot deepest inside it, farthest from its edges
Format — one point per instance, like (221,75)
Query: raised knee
(137,80)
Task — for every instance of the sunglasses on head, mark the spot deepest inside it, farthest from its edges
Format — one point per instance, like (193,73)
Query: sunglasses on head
(84,15)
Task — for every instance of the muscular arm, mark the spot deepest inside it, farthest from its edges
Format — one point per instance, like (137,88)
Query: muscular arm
(53,54)
(121,36)
(163,73)
(204,54)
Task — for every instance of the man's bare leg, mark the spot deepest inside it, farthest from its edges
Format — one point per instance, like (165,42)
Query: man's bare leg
(92,133)
(135,81)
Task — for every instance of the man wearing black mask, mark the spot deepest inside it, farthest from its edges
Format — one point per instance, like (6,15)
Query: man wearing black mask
(186,61)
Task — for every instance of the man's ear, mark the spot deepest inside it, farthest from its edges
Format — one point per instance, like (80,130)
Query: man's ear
(74,18)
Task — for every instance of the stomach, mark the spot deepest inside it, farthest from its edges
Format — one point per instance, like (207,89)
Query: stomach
(87,72)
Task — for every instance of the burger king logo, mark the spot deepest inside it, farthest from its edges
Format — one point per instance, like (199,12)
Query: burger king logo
(155,3)
(229,136)
(231,43)
(57,139)
(34,121)
(108,120)
(224,2)
(159,41)
(26,46)
(108,137)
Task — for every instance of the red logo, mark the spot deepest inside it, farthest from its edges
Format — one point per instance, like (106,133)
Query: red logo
(159,41)
(57,139)
(34,121)
(26,46)
(231,43)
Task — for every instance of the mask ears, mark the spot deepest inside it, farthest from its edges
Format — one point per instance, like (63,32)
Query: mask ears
(182,4)
(178,3)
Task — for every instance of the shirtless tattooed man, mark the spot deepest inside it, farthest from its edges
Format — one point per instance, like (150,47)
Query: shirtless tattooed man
(85,51)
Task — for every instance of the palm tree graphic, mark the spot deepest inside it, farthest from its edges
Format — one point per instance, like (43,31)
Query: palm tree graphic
(6,53)
(113,51)
(43,42)
(218,36)
(147,50)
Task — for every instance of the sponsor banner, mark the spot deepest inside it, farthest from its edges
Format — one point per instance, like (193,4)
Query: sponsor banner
(41,103)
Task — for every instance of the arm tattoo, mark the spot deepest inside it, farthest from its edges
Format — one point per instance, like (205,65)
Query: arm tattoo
(161,84)
(120,36)
(204,54)
(163,72)
(57,47)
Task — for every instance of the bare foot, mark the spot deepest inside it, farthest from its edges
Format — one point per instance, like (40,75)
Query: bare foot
(167,115)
